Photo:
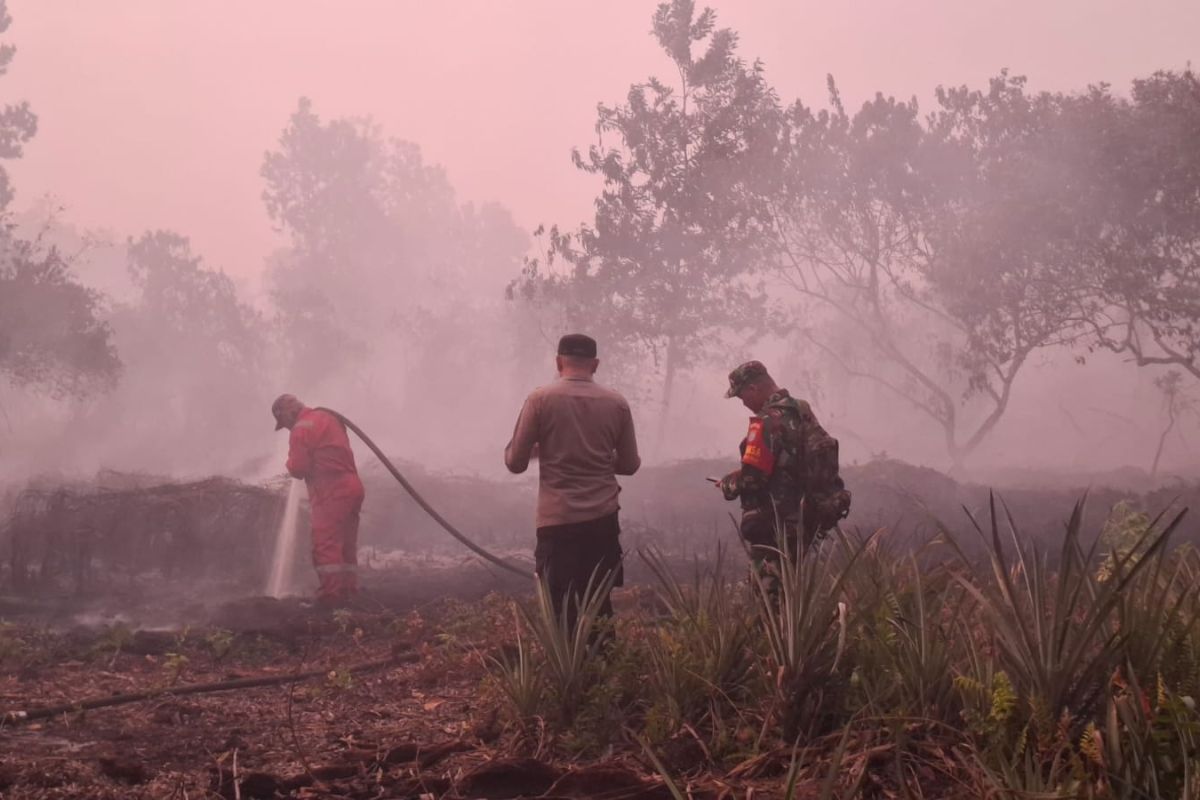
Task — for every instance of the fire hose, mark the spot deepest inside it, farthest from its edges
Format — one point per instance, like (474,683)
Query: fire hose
(423,503)
(233,684)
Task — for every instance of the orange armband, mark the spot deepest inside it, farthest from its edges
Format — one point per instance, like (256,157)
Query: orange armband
(757,454)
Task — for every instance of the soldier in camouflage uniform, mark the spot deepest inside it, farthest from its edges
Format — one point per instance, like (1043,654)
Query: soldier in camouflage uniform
(789,472)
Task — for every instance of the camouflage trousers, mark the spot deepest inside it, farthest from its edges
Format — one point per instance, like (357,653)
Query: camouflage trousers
(768,538)
(767,535)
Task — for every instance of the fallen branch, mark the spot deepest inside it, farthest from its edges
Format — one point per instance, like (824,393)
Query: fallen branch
(13,717)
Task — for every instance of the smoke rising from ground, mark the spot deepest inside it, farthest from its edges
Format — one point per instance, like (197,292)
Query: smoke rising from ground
(322,214)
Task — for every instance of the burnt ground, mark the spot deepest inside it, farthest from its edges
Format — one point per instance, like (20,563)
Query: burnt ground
(188,746)
(423,725)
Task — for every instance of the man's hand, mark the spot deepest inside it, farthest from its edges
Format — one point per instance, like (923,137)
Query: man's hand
(731,485)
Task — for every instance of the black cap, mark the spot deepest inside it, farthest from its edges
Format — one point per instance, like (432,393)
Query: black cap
(577,344)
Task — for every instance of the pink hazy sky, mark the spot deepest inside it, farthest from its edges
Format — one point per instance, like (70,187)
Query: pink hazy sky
(156,113)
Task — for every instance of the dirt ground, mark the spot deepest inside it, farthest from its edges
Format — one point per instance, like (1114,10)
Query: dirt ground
(418,721)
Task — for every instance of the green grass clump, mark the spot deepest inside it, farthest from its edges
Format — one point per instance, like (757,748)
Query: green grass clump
(1071,671)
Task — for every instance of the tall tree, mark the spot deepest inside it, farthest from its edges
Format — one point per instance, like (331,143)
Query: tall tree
(385,266)
(183,303)
(679,224)
(196,352)
(51,336)
(325,187)
(18,123)
(925,241)
(1143,296)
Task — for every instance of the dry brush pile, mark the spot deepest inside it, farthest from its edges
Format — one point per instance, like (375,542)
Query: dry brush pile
(91,537)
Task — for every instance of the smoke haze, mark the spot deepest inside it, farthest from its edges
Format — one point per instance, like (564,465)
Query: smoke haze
(156,117)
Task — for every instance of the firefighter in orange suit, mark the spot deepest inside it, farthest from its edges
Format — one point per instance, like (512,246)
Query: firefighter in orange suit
(319,453)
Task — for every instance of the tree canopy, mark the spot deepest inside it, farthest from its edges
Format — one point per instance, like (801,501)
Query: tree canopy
(679,225)
(52,337)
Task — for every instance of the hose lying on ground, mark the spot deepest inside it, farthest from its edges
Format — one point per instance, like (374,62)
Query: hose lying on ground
(13,717)
(430,510)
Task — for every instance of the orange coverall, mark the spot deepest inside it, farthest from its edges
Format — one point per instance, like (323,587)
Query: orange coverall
(319,452)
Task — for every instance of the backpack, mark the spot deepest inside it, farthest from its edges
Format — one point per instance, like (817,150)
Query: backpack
(826,501)
(825,497)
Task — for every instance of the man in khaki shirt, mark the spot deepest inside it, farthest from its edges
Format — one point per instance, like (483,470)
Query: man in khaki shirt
(583,435)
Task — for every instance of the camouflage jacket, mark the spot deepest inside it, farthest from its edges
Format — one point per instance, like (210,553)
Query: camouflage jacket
(786,456)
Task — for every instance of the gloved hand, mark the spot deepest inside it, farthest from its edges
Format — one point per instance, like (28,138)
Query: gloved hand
(731,485)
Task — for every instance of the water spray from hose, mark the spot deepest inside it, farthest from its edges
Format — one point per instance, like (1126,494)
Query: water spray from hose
(284,558)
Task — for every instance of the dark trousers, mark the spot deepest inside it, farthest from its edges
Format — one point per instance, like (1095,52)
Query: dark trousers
(568,555)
